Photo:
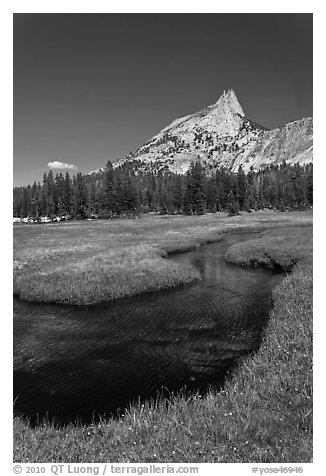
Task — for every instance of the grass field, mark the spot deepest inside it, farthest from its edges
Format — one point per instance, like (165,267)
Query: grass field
(263,414)
(280,249)
(96,261)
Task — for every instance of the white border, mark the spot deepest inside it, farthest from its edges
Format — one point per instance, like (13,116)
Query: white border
(168,6)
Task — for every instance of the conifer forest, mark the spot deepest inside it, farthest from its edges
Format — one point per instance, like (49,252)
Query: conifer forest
(129,190)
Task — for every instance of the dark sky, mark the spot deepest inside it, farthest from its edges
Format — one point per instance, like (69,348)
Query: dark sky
(93,87)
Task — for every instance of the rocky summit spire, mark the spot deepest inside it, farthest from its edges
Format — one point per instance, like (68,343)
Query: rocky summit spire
(228,102)
(225,117)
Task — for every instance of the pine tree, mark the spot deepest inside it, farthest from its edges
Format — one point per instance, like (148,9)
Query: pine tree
(241,187)
(221,197)
(309,183)
(178,194)
(92,198)
(211,194)
(49,192)
(195,199)
(67,196)
(232,204)
(108,202)
(59,194)
(80,196)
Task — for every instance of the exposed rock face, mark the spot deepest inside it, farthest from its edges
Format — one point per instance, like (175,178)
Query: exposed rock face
(221,135)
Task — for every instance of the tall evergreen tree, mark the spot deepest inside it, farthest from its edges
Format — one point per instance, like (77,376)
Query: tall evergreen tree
(108,202)
(67,195)
(80,196)
(195,200)
(232,204)
(211,194)
(241,187)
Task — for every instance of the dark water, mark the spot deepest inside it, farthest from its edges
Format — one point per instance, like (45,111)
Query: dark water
(78,362)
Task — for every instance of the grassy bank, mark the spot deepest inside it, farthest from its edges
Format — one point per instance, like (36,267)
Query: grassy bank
(264,413)
(91,262)
(281,248)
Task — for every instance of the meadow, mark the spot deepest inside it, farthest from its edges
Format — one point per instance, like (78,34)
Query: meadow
(273,249)
(263,414)
(89,262)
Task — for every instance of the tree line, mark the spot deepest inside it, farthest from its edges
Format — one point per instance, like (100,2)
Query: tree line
(126,191)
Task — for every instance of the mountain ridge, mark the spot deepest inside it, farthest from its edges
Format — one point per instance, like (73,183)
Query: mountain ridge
(221,135)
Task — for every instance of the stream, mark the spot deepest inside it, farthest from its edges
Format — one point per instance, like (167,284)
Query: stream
(80,362)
